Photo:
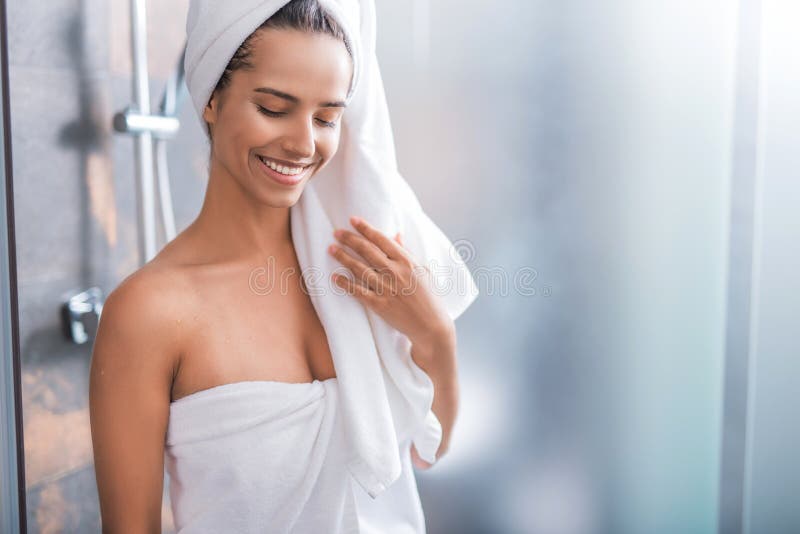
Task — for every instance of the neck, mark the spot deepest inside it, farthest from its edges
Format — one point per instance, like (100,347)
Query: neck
(238,227)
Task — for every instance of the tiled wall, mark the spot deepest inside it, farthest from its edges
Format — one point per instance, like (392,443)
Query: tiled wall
(75,205)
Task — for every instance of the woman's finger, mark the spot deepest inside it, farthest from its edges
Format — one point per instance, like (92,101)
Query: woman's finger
(393,251)
(417,461)
(358,290)
(365,274)
(370,252)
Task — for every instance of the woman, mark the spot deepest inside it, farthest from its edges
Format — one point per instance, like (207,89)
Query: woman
(183,334)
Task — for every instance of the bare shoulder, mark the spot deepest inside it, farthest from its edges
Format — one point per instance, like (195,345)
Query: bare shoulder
(145,311)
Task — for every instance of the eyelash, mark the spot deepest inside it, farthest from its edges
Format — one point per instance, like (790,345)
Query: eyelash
(270,113)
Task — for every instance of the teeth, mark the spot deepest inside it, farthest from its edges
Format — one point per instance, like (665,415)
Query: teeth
(290,171)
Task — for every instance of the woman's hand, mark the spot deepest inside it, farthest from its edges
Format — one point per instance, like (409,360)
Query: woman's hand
(390,282)
(418,462)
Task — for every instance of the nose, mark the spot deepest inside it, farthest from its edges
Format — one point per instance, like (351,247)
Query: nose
(299,142)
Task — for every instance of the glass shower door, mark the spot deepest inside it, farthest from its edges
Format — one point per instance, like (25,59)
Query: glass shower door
(11,483)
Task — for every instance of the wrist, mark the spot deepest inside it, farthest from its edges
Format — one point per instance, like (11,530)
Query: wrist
(435,341)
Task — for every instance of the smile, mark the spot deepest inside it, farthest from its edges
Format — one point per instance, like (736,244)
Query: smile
(283,174)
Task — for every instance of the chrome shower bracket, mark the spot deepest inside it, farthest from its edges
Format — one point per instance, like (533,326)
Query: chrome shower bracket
(80,314)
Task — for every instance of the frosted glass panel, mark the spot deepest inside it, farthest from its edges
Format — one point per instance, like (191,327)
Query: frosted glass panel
(591,142)
(773,459)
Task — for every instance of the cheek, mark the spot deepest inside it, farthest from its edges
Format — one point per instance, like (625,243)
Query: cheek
(328,144)
(240,127)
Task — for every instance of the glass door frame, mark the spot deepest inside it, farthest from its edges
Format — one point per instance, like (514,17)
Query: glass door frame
(12,461)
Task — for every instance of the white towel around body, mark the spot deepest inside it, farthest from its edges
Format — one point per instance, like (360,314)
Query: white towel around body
(268,456)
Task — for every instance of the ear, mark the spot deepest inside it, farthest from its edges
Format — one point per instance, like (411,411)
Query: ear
(210,112)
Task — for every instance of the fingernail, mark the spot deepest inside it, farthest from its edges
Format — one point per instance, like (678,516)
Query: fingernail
(356,220)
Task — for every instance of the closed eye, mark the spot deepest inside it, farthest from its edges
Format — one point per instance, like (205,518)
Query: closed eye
(327,124)
(270,113)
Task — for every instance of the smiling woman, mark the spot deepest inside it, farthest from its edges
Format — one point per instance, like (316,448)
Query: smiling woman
(233,390)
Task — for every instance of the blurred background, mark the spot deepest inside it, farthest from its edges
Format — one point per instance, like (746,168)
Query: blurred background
(623,179)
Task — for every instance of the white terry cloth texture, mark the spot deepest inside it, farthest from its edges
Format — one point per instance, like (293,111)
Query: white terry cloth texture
(265,456)
(385,397)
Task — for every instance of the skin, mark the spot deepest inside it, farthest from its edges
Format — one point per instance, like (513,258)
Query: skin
(189,319)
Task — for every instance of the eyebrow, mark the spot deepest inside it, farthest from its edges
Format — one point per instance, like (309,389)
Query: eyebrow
(294,99)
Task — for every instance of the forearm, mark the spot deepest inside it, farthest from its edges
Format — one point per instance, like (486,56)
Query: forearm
(438,359)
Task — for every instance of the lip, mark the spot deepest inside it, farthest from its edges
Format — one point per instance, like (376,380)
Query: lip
(282,179)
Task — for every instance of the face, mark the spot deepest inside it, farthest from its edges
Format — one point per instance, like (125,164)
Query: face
(285,112)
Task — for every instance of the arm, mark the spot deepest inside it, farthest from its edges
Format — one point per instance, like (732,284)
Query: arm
(437,358)
(129,395)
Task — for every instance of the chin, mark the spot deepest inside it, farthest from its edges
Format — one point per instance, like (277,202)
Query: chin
(281,197)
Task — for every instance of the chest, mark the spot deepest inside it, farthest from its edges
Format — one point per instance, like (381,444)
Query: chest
(236,329)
